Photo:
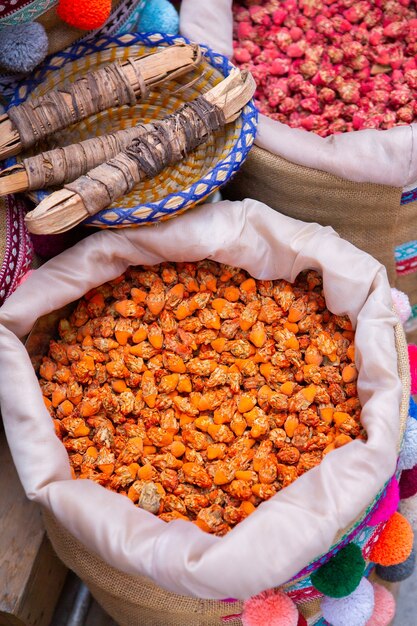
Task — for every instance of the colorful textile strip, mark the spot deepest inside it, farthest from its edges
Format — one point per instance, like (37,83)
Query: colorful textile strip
(406,257)
(409,196)
(18,251)
(22,11)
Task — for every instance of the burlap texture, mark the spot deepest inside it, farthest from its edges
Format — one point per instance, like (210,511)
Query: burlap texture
(134,600)
(363,213)
(137,601)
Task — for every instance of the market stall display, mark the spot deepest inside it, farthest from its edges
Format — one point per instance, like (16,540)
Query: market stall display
(338,503)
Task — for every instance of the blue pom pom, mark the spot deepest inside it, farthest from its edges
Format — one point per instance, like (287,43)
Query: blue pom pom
(408,455)
(397,573)
(23,47)
(158,16)
(413,409)
(353,610)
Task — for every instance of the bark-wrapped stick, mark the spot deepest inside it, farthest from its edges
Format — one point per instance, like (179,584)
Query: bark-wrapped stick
(165,143)
(63,165)
(118,83)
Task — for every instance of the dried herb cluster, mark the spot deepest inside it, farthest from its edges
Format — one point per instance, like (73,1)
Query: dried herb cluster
(330,66)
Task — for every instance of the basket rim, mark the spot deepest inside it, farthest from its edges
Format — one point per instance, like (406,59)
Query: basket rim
(183,198)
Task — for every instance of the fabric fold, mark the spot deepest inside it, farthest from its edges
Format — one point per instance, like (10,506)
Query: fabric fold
(300,522)
(386,157)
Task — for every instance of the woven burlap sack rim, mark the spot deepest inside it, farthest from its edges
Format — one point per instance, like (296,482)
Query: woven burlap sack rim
(137,601)
(123,595)
(365,214)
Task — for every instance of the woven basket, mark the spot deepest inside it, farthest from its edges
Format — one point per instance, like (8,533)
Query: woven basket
(137,601)
(177,188)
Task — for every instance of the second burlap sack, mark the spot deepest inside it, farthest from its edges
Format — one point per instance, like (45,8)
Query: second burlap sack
(354,182)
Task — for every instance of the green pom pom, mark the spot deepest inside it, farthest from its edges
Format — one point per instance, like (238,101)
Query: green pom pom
(340,576)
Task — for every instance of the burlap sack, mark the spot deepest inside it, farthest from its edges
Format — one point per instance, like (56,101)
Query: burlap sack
(359,212)
(133,600)
(352,181)
(179,556)
(137,601)
(368,215)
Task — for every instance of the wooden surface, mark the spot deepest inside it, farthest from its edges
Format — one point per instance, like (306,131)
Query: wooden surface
(31,576)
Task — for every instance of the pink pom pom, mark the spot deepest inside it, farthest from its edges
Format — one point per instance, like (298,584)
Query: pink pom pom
(387,505)
(401,304)
(384,609)
(270,607)
(412,356)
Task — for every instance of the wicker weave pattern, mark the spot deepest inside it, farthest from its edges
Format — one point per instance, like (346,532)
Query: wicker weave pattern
(177,188)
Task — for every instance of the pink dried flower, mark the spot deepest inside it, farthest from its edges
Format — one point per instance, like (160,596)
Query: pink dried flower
(373,17)
(341,25)
(389,120)
(338,126)
(310,122)
(324,25)
(359,63)
(279,16)
(310,8)
(296,50)
(259,15)
(353,14)
(406,113)
(296,33)
(353,60)
(400,96)
(295,120)
(245,30)
(332,111)
(358,120)
(310,104)
(379,95)
(283,39)
(351,49)
(395,30)
(288,105)
(376,36)
(311,36)
(335,54)
(327,95)
(411,78)
(242,55)
(295,81)
(308,69)
(397,76)
(374,121)
(308,90)
(314,53)
(280,66)
(240,13)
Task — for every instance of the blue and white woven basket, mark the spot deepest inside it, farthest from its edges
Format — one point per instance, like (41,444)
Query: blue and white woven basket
(179,187)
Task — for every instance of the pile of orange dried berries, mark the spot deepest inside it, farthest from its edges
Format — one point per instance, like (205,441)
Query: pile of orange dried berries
(197,391)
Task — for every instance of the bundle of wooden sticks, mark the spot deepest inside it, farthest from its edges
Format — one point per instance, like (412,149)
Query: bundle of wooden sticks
(98,171)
